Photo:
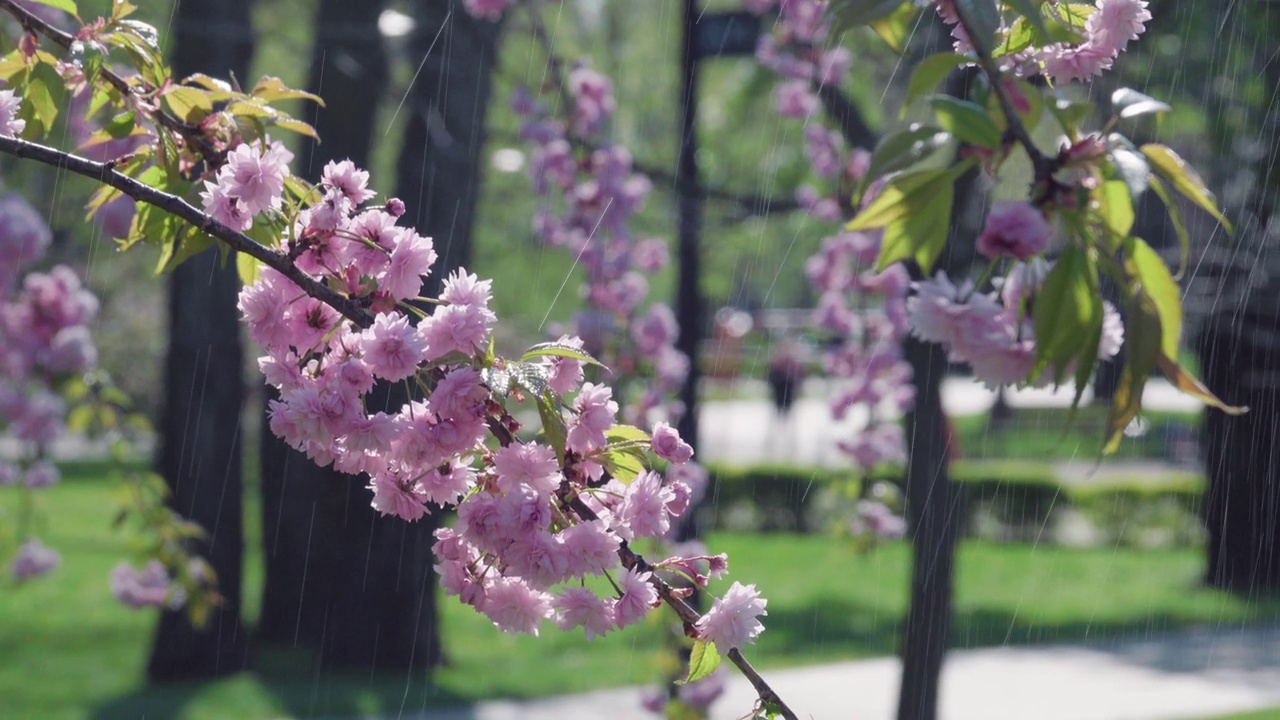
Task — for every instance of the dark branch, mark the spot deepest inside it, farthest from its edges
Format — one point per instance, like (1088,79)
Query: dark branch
(106,174)
(848,118)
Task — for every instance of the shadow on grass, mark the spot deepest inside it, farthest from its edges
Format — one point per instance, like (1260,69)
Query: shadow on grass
(287,682)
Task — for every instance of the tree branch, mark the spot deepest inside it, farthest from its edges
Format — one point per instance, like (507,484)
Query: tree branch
(107,174)
(853,128)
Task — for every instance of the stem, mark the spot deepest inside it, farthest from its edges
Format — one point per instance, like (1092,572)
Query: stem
(107,174)
(1043,165)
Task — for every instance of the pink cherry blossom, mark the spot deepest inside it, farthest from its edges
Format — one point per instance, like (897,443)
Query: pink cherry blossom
(666,444)
(595,412)
(347,178)
(10,123)
(515,607)
(591,548)
(486,9)
(795,100)
(1014,229)
(638,598)
(531,464)
(733,620)
(395,496)
(33,560)
(643,510)
(392,348)
(579,607)
(149,587)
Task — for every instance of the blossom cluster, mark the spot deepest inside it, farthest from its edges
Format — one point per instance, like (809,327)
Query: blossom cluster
(1104,29)
(993,331)
(590,192)
(44,341)
(863,312)
(532,515)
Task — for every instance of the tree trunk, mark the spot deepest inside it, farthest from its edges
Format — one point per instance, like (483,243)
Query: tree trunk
(932,500)
(439,172)
(200,455)
(1240,358)
(360,587)
(305,508)
(1239,351)
(340,578)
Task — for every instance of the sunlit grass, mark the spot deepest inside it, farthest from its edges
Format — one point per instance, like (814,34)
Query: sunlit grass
(68,651)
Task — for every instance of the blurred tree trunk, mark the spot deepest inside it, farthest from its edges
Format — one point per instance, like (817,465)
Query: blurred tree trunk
(1239,351)
(200,454)
(439,171)
(340,578)
(933,513)
(325,548)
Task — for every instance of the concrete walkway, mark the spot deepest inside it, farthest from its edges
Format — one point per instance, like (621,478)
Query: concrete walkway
(1179,676)
(746,431)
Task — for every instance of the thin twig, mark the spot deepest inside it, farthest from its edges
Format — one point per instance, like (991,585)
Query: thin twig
(1044,166)
(106,174)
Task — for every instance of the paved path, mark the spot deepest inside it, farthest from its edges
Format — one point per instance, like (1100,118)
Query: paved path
(747,431)
(1180,676)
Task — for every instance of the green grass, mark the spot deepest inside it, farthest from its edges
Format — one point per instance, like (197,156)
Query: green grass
(68,651)
(1272,714)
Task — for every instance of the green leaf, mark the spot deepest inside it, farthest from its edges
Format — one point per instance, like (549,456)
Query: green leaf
(623,433)
(271,88)
(296,126)
(899,194)
(180,244)
(1141,349)
(703,660)
(624,465)
(188,103)
(895,28)
(1069,114)
(1131,167)
(1175,217)
(1068,308)
(931,71)
(1019,37)
(1029,10)
(1128,103)
(557,349)
(1145,265)
(1030,117)
(1168,165)
(67,6)
(982,19)
(967,121)
(1188,384)
(150,223)
(248,268)
(1115,206)
(305,192)
(905,148)
(553,427)
(122,9)
(920,235)
(249,109)
(42,96)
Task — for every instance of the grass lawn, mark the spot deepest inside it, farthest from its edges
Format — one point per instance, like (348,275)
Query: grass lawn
(68,651)
(1272,714)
